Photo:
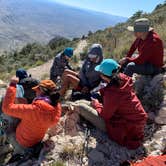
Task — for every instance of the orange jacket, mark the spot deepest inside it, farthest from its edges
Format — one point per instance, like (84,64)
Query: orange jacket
(36,118)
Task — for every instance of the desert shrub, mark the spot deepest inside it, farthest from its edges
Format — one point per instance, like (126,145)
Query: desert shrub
(70,152)
(31,55)
(57,42)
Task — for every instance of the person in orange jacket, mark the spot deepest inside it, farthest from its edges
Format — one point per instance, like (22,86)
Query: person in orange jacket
(36,118)
(121,110)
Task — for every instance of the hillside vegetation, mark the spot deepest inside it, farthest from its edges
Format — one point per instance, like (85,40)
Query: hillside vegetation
(115,41)
(31,55)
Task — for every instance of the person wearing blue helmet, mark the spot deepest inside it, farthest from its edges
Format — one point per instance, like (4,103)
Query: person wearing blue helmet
(61,62)
(87,79)
(121,110)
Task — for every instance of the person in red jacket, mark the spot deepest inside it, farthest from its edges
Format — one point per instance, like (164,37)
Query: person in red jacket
(121,110)
(36,118)
(150,50)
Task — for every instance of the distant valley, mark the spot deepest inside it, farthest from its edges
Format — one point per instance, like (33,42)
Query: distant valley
(24,21)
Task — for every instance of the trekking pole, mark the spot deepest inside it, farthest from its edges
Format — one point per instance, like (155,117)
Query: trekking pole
(86,141)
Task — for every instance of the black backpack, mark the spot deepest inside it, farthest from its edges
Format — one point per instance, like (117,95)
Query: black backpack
(28,83)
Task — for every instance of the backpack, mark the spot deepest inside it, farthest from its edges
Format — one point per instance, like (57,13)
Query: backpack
(28,83)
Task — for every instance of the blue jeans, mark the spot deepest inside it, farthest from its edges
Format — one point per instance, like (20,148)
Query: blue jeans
(144,69)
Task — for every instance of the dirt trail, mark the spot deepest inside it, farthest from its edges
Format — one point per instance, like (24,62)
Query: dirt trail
(42,71)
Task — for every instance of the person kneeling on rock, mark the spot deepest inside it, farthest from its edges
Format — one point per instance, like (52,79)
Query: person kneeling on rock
(121,110)
(36,118)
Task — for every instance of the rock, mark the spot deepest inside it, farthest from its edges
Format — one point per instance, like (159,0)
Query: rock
(96,156)
(164,80)
(84,160)
(160,120)
(158,79)
(2,92)
(92,143)
(162,112)
(150,91)
(2,84)
(103,148)
(151,116)
(100,150)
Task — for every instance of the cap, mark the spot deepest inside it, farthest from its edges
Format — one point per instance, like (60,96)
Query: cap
(107,66)
(68,52)
(47,84)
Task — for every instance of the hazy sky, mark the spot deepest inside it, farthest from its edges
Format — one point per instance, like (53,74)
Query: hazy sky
(117,7)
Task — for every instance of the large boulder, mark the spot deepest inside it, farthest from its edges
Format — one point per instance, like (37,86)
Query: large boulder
(2,84)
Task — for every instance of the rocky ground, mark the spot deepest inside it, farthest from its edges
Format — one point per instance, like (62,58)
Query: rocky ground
(75,142)
(78,143)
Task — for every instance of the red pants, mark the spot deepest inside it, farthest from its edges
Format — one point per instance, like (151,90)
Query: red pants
(129,135)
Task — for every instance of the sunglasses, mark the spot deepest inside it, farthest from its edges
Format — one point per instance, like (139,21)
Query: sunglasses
(91,56)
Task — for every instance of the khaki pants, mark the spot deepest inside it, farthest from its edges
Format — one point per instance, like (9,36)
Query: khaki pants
(69,78)
(90,114)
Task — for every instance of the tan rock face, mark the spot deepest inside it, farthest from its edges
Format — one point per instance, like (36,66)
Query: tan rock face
(2,84)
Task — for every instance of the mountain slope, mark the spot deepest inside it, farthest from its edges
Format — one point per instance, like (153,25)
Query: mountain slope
(117,40)
(23,21)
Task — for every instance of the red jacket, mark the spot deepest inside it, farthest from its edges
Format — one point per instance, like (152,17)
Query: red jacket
(152,161)
(122,111)
(150,50)
(36,118)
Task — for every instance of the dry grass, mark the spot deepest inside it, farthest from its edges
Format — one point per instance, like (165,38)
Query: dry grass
(71,152)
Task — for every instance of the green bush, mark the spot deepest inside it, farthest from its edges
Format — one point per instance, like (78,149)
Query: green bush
(31,55)
(116,41)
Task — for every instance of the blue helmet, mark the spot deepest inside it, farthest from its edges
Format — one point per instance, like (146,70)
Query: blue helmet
(107,66)
(68,52)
